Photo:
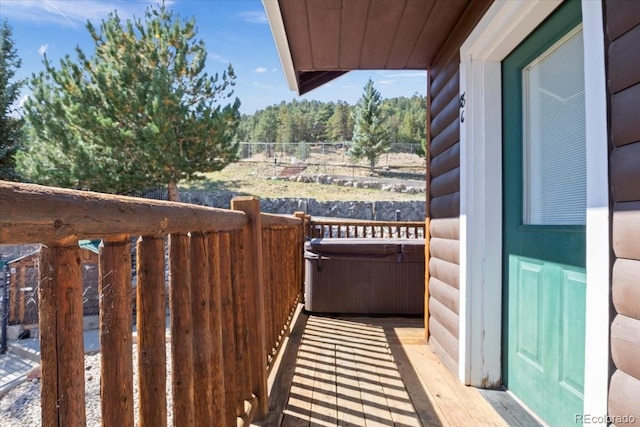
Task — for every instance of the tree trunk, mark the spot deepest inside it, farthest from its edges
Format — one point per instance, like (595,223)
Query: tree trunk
(173,192)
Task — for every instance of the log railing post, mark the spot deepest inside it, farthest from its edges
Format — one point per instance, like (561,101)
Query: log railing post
(181,330)
(301,235)
(224,273)
(217,355)
(61,336)
(308,227)
(203,338)
(116,322)
(151,314)
(269,291)
(254,268)
(240,300)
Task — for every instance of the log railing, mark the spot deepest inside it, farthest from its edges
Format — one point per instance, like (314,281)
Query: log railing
(282,240)
(234,279)
(346,228)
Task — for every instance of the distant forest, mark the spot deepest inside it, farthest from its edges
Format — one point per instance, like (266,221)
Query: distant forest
(316,121)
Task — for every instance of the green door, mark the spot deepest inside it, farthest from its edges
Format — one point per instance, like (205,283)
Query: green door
(544,216)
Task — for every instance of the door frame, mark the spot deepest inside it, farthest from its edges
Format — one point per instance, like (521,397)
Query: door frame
(501,29)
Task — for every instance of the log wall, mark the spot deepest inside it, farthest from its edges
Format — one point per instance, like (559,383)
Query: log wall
(444,188)
(622,38)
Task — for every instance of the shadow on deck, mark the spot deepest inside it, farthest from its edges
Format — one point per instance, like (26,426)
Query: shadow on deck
(362,371)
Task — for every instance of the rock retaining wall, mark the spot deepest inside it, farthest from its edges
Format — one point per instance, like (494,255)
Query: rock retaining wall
(380,211)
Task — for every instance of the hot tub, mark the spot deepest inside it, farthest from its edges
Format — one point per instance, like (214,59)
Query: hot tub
(364,276)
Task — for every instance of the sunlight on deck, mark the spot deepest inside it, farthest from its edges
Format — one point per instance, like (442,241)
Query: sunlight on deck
(353,371)
(346,375)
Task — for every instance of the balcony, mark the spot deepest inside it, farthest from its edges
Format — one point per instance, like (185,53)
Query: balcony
(243,351)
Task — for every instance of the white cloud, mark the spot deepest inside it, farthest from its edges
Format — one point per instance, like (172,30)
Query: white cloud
(386,82)
(255,17)
(68,12)
(260,70)
(43,49)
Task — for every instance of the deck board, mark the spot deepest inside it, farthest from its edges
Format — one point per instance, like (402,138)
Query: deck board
(370,372)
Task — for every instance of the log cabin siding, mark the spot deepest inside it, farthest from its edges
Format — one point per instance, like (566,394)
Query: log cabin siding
(444,187)
(447,183)
(626,295)
(447,160)
(622,36)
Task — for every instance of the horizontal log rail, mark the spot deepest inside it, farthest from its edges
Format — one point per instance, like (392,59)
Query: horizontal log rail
(347,228)
(231,278)
(43,214)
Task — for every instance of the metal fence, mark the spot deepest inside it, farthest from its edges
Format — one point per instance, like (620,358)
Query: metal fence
(305,151)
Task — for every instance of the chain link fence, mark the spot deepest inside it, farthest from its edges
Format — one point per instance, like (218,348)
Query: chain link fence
(316,152)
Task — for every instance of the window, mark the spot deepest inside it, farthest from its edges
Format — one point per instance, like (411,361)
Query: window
(554,150)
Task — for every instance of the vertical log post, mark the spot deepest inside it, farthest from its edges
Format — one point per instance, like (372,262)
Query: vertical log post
(297,275)
(268,248)
(300,215)
(273,266)
(276,268)
(281,274)
(255,275)
(150,323)
(116,322)
(308,227)
(240,300)
(181,330)
(61,336)
(228,330)
(203,339)
(217,357)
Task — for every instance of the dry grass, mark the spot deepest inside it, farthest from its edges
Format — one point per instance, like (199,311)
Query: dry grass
(255,177)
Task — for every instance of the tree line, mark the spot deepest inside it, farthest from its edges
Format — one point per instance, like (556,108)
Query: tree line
(315,121)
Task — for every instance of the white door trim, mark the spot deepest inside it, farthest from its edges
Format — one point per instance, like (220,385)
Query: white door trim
(596,384)
(505,25)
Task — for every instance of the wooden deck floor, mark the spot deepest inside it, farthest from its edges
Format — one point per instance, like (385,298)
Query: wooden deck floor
(346,371)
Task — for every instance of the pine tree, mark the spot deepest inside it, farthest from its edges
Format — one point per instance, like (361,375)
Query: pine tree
(341,123)
(9,91)
(369,133)
(141,112)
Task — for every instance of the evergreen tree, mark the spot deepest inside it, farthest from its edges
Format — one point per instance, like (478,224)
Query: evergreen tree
(370,138)
(341,123)
(9,91)
(141,112)
(267,126)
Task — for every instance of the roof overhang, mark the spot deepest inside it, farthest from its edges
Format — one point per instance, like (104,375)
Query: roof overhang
(319,40)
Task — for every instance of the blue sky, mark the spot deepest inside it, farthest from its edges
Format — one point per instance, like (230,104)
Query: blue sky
(234,31)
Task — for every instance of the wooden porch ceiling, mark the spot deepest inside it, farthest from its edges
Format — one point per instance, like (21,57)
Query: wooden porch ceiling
(323,39)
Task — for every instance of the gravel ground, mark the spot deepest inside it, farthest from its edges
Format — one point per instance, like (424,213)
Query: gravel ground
(20,407)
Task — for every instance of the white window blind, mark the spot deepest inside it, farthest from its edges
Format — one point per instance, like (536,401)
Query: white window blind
(554,149)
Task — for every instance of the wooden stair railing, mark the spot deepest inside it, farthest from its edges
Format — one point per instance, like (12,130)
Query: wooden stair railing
(221,280)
